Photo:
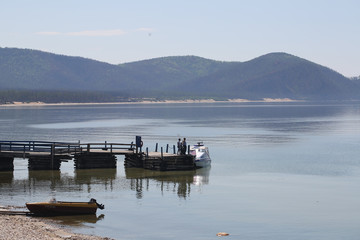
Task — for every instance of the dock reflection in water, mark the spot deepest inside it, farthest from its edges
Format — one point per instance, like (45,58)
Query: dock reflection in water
(88,177)
(42,185)
(49,181)
(175,181)
(6,177)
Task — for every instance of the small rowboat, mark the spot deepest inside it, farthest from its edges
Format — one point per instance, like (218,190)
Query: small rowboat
(58,208)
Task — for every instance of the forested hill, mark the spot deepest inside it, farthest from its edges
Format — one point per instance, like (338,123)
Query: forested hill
(31,75)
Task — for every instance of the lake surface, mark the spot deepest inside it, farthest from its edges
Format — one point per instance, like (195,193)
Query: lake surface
(279,170)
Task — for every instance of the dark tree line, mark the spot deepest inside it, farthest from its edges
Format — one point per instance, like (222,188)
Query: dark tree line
(9,96)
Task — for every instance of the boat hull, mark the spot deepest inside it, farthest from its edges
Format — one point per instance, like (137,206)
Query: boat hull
(62,208)
(202,156)
(202,163)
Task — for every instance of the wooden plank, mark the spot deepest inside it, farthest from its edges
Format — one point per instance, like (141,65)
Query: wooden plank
(8,212)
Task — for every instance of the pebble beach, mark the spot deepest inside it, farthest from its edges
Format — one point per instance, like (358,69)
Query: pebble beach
(25,227)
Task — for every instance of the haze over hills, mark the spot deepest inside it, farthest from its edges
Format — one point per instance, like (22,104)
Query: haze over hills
(31,75)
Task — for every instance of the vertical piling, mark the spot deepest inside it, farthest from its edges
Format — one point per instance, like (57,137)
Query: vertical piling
(44,162)
(52,155)
(90,160)
(6,163)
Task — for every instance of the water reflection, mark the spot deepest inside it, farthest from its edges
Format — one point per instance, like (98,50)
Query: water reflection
(77,220)
(6,177)
(53,177)
(47,183)
(54,182)
(90,177)
(179,182)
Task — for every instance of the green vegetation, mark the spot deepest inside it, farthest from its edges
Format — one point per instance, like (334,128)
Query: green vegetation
(52,96)
(30,75)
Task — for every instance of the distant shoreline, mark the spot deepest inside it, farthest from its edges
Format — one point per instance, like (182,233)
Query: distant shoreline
(238,100)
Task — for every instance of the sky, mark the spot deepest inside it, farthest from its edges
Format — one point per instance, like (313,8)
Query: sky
(326,32)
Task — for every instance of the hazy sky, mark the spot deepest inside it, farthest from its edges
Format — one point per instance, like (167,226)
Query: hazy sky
(323,31)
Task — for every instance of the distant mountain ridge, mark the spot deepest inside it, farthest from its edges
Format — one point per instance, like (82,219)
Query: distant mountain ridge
(279,75)
(274,75)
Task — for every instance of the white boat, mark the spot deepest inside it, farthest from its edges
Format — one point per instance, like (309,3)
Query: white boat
(201,153)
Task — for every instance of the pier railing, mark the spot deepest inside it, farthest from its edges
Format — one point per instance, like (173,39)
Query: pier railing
(35,146)
(58,148)
(110,147)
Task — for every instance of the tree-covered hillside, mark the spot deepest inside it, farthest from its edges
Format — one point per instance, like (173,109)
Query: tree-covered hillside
(31,74)
(279,75)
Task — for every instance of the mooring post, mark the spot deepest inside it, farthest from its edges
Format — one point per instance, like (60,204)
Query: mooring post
(188,149)
(162,154)
(167,148)
(24,151)
(139,144)
(147,152)
(156,147)
(88,148)
(52,155)
(174,148)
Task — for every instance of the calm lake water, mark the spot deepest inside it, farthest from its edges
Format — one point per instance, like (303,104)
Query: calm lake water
(279,170)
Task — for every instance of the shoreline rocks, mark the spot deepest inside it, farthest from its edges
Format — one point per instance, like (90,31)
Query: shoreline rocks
(25,227)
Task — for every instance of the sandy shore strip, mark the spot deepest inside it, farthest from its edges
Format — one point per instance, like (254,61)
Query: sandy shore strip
(24,227)
(265,100)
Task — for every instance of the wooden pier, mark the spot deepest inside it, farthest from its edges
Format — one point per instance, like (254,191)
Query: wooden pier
(49,155)
(160,162)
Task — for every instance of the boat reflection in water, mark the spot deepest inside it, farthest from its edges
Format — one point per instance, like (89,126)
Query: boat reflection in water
(202,176)
(77,220)
(175,181)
